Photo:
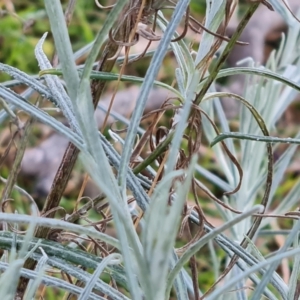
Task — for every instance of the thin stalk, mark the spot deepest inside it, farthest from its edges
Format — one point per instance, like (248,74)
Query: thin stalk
(13,174)
(213,74)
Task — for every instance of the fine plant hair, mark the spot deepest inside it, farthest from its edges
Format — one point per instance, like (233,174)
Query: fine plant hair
(150,200)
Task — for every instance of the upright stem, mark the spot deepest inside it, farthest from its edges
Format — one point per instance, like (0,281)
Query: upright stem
(214,72)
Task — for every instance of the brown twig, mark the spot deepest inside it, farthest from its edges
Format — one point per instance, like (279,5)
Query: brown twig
(13,174)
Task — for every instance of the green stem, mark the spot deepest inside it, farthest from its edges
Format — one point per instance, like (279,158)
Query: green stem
(212,76)
(154,155)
